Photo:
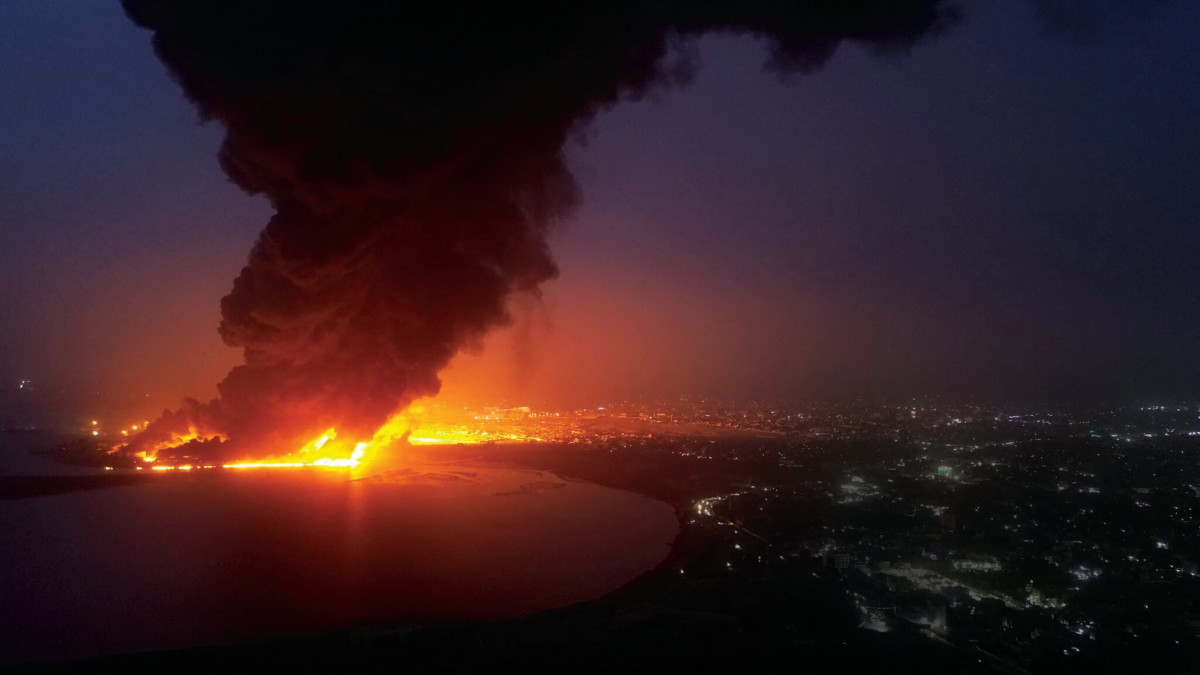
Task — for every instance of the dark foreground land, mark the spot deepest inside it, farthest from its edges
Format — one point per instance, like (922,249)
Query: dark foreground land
(589,639)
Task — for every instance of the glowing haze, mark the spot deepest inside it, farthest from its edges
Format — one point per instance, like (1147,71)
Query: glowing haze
(413,157)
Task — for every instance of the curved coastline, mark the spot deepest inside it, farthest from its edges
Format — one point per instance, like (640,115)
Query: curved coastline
(480,490)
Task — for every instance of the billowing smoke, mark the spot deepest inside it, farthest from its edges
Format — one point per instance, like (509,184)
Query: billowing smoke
(413,154)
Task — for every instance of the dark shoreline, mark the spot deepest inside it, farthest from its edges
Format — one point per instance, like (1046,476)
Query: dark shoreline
(24,487)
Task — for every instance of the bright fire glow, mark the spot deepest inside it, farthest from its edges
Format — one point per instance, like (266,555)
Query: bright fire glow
(412,426)
(328,451)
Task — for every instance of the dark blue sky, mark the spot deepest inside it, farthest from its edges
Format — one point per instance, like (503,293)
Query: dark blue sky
(1007,212)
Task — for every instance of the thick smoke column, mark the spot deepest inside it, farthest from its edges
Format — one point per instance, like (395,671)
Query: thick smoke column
(413,154)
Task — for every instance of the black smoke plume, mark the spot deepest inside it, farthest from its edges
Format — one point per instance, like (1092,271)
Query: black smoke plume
(413,153)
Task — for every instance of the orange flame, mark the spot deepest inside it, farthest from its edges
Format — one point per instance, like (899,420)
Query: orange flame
(415,425)
(174,441)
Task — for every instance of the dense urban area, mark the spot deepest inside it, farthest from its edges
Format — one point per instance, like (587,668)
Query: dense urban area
(1037,540)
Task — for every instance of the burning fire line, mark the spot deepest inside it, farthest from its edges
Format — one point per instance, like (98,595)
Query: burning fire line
(410,427)
(325,451)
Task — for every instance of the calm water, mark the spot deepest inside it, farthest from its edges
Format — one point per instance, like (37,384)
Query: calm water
(214,558)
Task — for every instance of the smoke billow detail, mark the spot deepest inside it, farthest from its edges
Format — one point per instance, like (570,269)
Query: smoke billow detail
(413,155)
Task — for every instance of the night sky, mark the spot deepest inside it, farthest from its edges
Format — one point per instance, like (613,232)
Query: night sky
(1006,213)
